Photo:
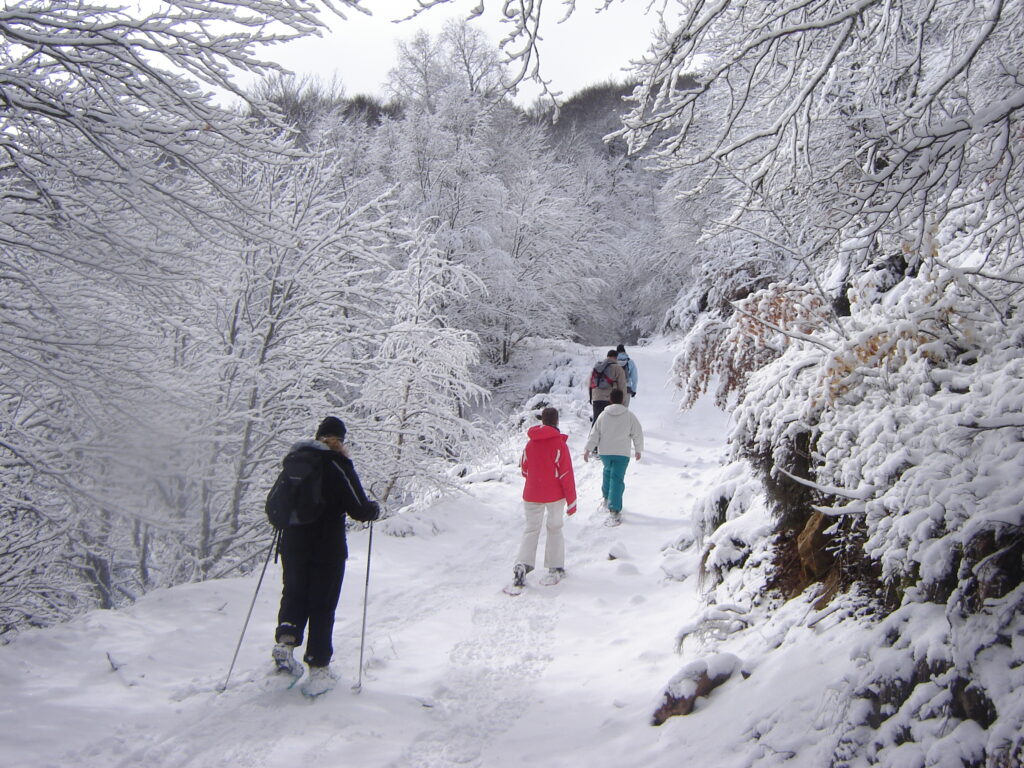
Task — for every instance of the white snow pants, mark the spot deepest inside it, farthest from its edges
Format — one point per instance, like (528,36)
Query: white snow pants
(554,544)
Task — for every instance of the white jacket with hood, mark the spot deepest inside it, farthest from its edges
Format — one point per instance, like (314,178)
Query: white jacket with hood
(614,430)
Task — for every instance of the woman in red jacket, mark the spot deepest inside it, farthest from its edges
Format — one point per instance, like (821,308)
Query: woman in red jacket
(550,487)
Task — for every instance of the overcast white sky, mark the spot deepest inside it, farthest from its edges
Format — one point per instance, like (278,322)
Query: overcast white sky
(588,48)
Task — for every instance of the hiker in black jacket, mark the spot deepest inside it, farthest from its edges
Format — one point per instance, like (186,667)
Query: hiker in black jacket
(313,559)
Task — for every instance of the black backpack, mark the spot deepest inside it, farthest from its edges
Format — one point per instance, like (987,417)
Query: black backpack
(297,497)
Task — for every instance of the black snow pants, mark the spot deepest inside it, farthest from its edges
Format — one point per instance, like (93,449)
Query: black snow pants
(313,559)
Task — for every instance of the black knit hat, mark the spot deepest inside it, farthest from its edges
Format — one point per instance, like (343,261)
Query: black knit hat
(331,426)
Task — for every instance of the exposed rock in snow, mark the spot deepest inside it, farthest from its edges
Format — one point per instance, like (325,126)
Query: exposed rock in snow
(698,678)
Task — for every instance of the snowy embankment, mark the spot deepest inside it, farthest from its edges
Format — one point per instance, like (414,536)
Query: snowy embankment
(457,673)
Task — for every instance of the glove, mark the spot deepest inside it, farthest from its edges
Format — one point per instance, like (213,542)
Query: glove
(631,392)
(371,511)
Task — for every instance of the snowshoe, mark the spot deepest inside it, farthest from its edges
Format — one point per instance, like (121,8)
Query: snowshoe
(319,682)
(285,662)
(519,575)
(552,577)
(518,580)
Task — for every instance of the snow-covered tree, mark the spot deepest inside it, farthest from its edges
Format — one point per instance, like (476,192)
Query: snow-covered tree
(530,227)
(867,122)
(288,327)
(112,182)
(868,149)
(413,395)
(520,49)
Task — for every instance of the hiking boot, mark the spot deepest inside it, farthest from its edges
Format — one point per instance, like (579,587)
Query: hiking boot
(553,576)
(519,575)
(614,517)
(319,682)
(285,661)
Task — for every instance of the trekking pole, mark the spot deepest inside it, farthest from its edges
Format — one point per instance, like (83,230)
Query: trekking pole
(270,551)
(366,592)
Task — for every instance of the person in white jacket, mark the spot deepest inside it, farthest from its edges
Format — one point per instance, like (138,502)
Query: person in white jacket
(616,431)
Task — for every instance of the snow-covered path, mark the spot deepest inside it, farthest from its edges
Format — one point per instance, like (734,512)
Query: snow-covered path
(458,674)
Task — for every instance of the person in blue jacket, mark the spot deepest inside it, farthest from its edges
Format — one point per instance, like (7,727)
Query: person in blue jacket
(629,366)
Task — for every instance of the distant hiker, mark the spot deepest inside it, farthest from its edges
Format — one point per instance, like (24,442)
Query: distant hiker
(550,488)
(313,557)
(615,429)
(605,377)
(629,366)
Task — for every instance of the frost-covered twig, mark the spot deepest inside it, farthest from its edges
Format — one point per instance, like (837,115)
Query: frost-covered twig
(863,492)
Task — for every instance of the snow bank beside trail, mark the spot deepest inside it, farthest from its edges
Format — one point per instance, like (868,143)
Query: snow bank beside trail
(888,458)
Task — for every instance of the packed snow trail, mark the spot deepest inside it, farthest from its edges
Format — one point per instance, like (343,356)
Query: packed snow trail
(457,673)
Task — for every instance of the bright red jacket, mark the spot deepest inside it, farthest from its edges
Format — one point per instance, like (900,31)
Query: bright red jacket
(547,466)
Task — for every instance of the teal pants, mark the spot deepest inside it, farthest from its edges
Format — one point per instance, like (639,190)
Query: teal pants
(613,482)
